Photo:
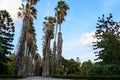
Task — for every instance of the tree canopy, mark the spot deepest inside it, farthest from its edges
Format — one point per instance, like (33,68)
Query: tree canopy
(6,38)
(108,40)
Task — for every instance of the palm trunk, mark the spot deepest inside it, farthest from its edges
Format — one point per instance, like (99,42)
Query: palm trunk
(54,59)
(20,53)
(21,47)
(60,24)
(54,53)
(59,51)
(56,32)
(28,62)
(46,62)
(48,59)
(60,41)
(59,48)
(60,28)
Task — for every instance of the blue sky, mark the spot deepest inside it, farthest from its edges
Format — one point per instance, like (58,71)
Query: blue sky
(78,28)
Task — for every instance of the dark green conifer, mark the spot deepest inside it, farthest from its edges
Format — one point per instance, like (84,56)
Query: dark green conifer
(6,38)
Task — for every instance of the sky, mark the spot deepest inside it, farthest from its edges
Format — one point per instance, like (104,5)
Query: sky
(78,28)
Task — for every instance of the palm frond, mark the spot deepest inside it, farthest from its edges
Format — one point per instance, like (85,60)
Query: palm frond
(33,2)
(61,9)
(33,12)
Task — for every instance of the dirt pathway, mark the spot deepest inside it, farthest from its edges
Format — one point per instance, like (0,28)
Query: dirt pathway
(41,78)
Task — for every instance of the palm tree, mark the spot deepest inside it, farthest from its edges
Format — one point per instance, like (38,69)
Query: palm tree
(49,34)
(61,9)
(54,46)
(28,13)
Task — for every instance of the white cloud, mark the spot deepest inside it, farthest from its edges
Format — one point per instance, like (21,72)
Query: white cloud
(87,39)
(80,47)
(12,6)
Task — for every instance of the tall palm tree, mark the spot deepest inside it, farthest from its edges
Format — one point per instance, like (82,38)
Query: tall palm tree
(61,12)
(28,13)
(49,34)
(54,46)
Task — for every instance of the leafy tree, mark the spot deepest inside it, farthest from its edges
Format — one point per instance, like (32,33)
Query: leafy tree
(69,67)
(106,69)
(11,64)
(86,66)
(108,40)
(6,38)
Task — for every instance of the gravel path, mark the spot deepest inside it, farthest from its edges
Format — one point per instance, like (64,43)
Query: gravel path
(41,78)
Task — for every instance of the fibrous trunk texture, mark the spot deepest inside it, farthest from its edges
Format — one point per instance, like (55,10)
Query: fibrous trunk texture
(54,59)
(21,48)
(46,53)
(59,52)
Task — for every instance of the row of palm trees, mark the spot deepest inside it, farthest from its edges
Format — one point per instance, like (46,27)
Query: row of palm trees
(27,47)
(27,42)
(51,64)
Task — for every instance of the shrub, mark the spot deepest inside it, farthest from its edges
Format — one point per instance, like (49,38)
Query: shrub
(11,76)
(107,69)
(90,77)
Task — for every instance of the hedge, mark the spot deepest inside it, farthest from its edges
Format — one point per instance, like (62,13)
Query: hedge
(11,76)
(90,77)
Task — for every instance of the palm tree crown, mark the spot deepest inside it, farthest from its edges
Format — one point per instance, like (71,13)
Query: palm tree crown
(28,10)
(61,9)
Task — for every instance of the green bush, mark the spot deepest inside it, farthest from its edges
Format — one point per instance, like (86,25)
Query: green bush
(107,69)
(90,77)
(11,76)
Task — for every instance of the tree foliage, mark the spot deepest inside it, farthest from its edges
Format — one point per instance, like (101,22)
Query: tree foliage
(86,66)
(106,69)
(11,65)
(69,67)
(6,38)
(108,40)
